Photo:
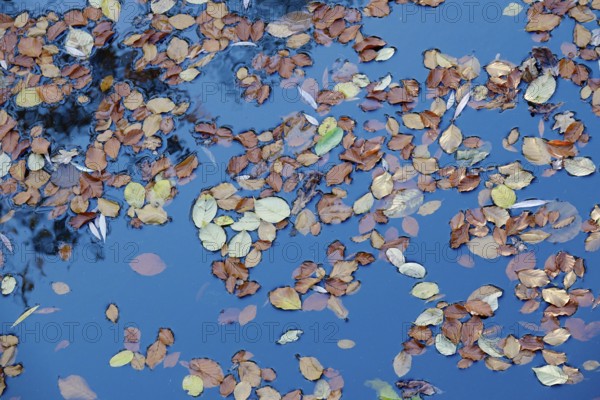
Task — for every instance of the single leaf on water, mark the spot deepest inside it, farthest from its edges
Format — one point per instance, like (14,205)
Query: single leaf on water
(444,345)
(285,298)
(272,209)
(193,385)
(204,210)
(213,237)
(425,290)
(135,194)
(413,270)
(541,89)
(512,10)
(239,245)
(310,368)
(328,141)
(580,166)
(402,363)
(74,387)
(451,139)
(25,314)
(148,264)
(503,196)
(121,358)
(431,316)
(550,375)
(290,336)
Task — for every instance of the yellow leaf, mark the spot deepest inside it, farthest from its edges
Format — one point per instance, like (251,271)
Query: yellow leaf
(285,298)
(121,358)
(193,385)
(26,314)
(503,196)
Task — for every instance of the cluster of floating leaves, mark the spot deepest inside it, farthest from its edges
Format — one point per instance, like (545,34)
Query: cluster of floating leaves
(273,183)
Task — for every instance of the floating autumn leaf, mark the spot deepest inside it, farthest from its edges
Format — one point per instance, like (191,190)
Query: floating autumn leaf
(204,210)
(272,209)
(550,375)
(8,284)
(429,208)
(413,270)
(213,237)
(148,264)
(404,203)
(239,245)
(541,89)
(363,204)
(310,368)
(25,314)
(382,185)
(79,43)
(512,9)
(503,196)
(431,316)
(112,313)
(385,54)
(346,344)
(60,288)
(193,385)
(536,151)
(28,97)
(74,387)
(395,256)
(579,166)
(556,296)
(402,363)
(328,141)
(111,9)
(285,298)
(451,139)
(444,345)
(290,336)
(122,358)
(210,371)
(425,290)
(488,294)
(135,194)
(485,247)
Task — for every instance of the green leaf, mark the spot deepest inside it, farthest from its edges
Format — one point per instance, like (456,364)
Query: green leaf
(503,196)
(121,358)
(328,141)
(193,385)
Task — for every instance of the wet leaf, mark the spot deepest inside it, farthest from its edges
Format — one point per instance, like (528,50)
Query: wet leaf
(310,368)
(25,314)
(135,194)
(285,298)
(204,210)
(413,270)
(444,345)
(550,375)
(328,141)
(535,150)
(148,264)
(431,316)
(290,336)
(8,284)
(580,166)
(193,385)
(239,245)
(272,209)
(74,387)
(79,43)
(122,358)
(512,9)
(402,363)
(503,196)
(451,139)
(425,290)
(541,89)
(213,237)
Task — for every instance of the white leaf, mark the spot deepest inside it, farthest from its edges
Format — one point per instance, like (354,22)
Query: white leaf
(94,231)
(412,269)
(79,43)
(213,237)
(308,98)
(461,105)
(272,209)
(239,245)
(551,375)
(204,210)
(290,336)
(529,203)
